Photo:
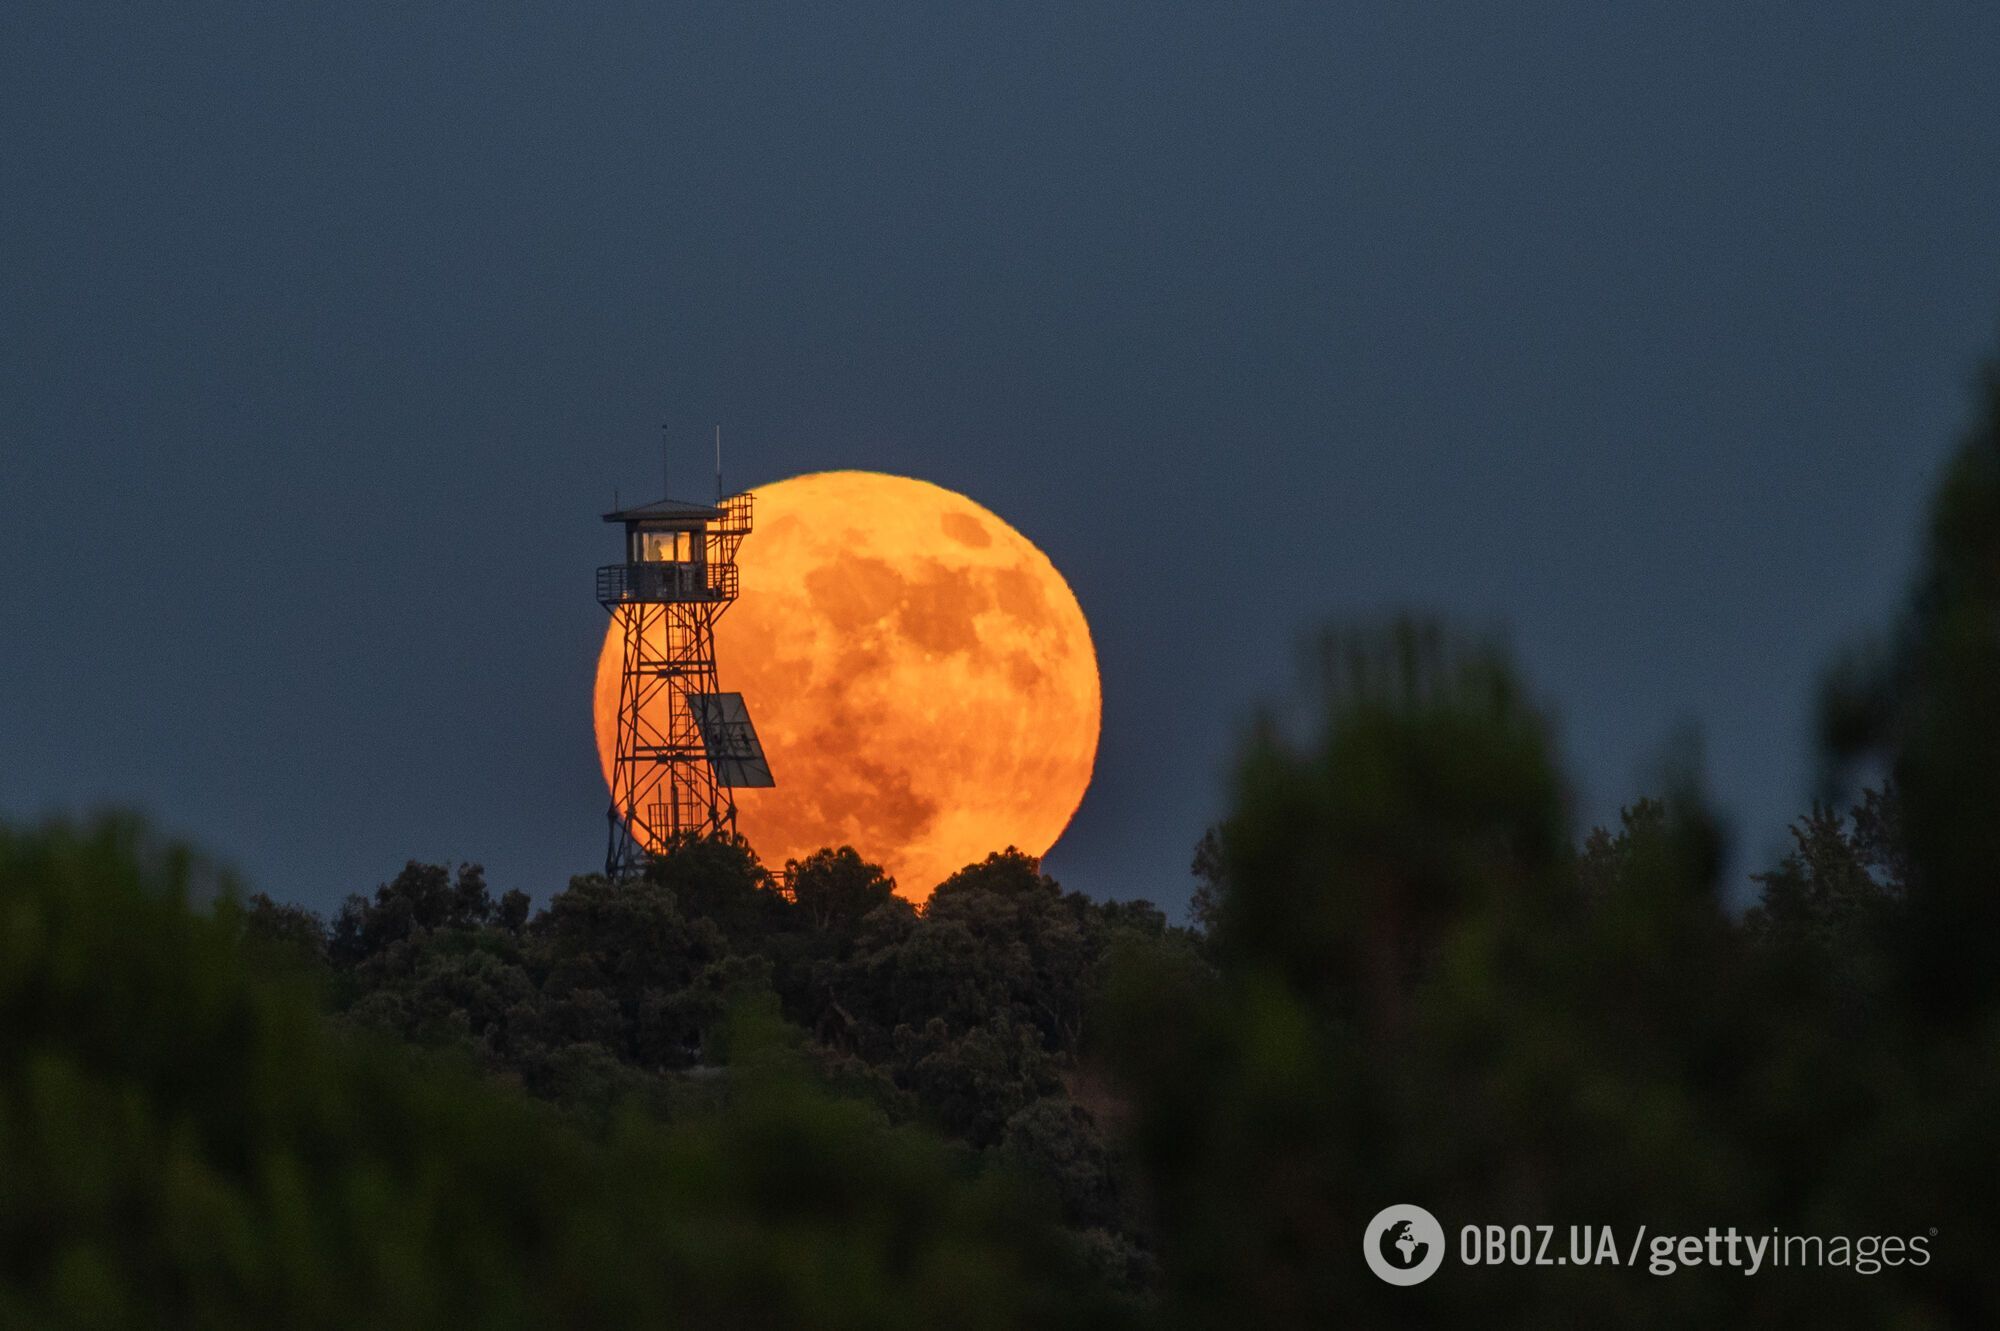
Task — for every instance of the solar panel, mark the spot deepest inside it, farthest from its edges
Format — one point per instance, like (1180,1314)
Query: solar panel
(733,751)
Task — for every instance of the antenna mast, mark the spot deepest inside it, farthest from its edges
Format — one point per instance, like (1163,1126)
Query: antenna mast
(718,464)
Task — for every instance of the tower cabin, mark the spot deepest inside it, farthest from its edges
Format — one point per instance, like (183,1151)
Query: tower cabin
(668,556)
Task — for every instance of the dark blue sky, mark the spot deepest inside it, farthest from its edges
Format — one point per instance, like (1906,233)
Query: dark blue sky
(1638,329)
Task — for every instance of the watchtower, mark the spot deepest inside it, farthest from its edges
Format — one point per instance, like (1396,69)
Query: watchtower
(681,745)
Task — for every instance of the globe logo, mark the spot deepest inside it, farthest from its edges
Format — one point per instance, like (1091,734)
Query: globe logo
(1409,1248)
(1404,1245)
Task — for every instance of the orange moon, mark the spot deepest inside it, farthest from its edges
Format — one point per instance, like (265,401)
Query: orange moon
(922,678)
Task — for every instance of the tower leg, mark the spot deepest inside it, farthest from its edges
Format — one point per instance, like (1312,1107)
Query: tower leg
(614,866)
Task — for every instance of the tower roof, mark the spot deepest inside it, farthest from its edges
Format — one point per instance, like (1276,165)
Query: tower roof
(665,508)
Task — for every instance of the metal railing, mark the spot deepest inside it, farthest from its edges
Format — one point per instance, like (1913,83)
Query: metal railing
(654,583)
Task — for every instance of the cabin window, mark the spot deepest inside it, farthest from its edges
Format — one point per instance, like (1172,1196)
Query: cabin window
(666,547)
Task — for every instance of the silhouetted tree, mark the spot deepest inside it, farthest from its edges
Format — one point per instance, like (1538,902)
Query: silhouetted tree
(1924,703)
(837,888)
(421,897)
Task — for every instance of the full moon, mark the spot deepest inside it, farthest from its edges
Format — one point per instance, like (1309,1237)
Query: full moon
(922,677)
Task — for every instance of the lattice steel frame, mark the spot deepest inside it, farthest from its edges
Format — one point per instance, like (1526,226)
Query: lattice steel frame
(662,782)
